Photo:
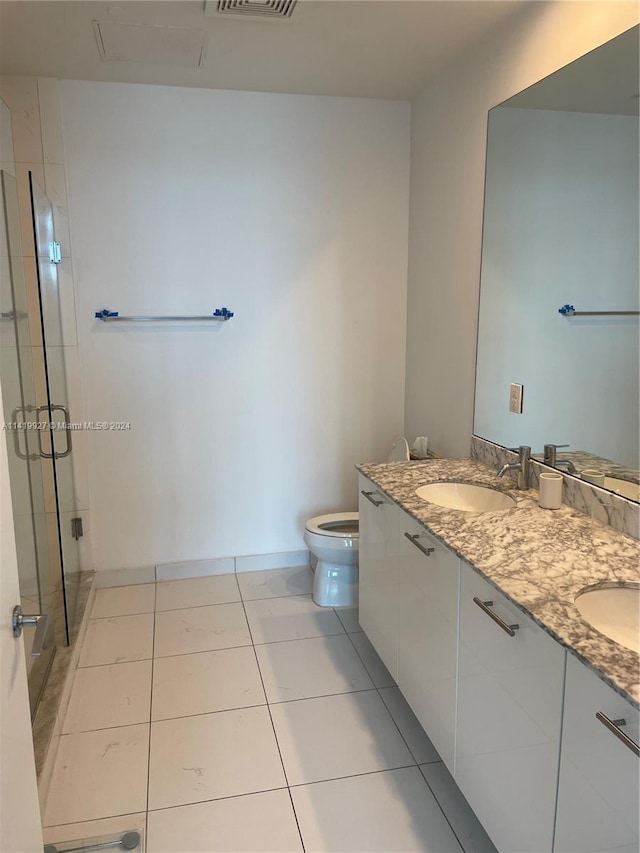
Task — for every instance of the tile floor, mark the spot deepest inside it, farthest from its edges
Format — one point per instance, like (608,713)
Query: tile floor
(229,713)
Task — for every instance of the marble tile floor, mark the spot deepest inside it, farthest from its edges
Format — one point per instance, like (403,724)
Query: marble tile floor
(229,713)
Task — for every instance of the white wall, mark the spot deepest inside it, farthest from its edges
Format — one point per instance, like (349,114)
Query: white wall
(448,143)
(560,226)
(291,211)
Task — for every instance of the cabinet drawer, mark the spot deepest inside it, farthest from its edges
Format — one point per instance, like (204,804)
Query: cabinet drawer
(509,710)
(598,794)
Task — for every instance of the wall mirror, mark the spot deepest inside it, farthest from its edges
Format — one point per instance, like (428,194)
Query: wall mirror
(561,226)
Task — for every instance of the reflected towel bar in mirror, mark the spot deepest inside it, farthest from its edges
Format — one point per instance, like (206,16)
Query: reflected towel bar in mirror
(570,311)
(113,316)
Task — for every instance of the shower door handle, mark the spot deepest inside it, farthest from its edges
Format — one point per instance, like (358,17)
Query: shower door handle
(67,429)
(16,432)
(44,453)
(20,410)
(67,422)
(40,620)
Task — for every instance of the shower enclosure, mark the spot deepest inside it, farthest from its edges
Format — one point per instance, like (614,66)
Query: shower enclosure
(40,457)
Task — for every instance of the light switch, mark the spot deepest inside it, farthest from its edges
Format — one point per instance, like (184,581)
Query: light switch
(515,398)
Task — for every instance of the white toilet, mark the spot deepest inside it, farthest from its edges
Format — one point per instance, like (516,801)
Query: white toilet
(333,540)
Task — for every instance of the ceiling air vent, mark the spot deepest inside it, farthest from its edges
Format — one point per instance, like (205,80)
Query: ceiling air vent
(265,9)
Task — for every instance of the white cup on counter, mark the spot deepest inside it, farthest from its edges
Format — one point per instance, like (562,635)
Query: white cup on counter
(592,476)
(550,495)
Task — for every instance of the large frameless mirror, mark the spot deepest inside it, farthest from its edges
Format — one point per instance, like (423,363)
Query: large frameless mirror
(559,295)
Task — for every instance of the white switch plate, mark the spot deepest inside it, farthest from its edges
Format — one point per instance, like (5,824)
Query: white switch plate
(515,398)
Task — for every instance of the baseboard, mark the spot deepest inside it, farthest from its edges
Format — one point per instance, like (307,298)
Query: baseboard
(201,568)
(124,577)
(279,560)
(195,569)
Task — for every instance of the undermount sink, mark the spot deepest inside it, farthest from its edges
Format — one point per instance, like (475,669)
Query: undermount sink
(465,497)
(614,611)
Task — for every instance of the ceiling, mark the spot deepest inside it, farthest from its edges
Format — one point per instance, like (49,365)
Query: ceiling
(354,48)
(605,81)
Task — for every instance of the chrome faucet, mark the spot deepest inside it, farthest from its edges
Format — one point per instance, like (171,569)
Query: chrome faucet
(571,468)
(550,458)
(522,466)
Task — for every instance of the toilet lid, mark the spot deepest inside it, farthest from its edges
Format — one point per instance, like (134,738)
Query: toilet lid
(343,525)
(399,451)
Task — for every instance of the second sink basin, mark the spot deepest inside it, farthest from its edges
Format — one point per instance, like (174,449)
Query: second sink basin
(623,487)
(465,497)
(615,612)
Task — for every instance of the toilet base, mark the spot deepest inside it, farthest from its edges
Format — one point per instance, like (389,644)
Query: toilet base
(335,585)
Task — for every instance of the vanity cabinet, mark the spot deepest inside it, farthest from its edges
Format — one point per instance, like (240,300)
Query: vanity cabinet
(378,571)
(488,686)
(598,788)
(428,632)
(509,716)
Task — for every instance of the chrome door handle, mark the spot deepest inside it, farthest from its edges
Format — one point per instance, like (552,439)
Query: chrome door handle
(427,551)
(16,432)
(40,620)
(67,424)
(614,728)
(44,453)
(67,421)
(128,841)
(371,499)
(485,605)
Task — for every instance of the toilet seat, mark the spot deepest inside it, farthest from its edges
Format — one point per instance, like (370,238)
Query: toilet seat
(336,525)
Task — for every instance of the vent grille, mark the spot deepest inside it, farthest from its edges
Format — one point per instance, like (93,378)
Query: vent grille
(273,9)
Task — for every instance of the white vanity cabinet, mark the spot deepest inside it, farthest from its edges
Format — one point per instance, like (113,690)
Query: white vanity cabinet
(378,571)
(509,716)
(598,790)
(428,632)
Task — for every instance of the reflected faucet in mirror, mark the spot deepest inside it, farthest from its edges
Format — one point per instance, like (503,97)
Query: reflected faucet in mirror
(551,459)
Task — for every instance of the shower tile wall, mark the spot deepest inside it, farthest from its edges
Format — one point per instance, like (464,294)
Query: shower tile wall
(39,148)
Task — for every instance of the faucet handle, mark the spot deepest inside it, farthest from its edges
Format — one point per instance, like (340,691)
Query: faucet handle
(550,453)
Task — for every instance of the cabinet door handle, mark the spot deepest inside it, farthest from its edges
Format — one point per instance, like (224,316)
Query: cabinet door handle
(614,728)
(368,496)
(485,605)
(414,539)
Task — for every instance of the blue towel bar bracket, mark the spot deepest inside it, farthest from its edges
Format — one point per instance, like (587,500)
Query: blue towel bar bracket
(570,311)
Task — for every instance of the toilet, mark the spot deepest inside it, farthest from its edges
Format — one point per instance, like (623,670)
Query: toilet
(333,541)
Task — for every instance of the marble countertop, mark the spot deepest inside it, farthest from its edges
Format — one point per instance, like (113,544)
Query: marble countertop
(540,559)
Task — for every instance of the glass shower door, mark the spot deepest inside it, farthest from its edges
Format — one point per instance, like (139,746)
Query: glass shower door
(60,438)
(37,570)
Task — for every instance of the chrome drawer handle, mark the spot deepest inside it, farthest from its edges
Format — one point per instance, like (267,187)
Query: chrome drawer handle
(614,728)
(485,605)
(370,499)
(414,539)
